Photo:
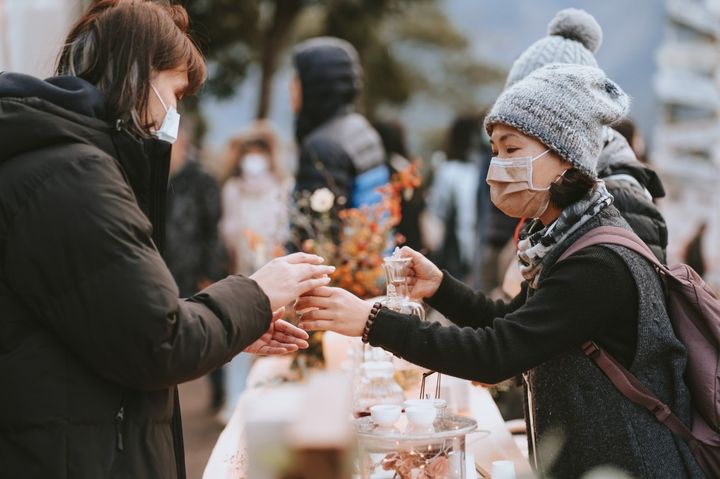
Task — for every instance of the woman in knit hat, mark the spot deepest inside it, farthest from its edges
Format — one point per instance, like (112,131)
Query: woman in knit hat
(574,36)
(547,133)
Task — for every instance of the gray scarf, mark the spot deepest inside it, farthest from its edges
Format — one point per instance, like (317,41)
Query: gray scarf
(537,241)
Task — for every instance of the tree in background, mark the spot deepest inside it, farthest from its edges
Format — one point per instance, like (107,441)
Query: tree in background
(405,46)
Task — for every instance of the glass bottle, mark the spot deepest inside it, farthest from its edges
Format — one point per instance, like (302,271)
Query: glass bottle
(377,386)
(398,297)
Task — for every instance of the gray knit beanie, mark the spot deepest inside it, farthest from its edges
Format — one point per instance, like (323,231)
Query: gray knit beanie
(573,37)
(566,107)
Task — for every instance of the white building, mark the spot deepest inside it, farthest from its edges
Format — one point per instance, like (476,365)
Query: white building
(687,138)
(32,33)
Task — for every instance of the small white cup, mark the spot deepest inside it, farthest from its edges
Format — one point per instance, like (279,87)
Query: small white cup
(421,415)
(503,470)
(439,404)
(385,415)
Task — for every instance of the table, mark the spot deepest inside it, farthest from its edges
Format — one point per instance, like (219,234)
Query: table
(226,460)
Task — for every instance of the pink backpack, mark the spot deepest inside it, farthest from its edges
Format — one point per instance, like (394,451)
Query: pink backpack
(694,311)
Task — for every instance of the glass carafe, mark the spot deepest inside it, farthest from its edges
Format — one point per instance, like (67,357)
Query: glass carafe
(397,297)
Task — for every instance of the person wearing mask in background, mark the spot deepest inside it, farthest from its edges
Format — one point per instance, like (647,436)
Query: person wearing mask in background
(547,131)
(194,253)
(452,199)
(573,37)
(339,150)
(254,225)
(94,337)
(397,158)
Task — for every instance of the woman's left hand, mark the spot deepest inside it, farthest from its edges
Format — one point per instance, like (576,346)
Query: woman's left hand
(333,309)
(280,338)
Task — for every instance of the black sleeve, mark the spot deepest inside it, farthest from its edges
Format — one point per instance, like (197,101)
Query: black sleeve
(464,307)
(81,257)
(214,256)
(581,298)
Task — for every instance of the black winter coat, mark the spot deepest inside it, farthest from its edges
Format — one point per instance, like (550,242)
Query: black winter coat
(93,337)
(634,187)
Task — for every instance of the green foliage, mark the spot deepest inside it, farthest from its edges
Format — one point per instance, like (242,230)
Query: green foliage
(406,46)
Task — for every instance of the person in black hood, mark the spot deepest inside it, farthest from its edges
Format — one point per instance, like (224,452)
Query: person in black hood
(339,150)
(93,336)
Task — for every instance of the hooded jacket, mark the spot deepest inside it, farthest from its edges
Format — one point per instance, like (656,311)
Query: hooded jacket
(93,337)
(634,187)
(339,149)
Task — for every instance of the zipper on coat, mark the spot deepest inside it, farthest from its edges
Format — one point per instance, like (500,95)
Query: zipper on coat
(119,418)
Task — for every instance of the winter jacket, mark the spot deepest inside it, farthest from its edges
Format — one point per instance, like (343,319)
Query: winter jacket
(634,187)
(93,337)
(578,419)
(194,249)
(339,149)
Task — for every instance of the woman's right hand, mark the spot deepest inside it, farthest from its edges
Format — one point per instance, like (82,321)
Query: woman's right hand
(287,278)
(425,277)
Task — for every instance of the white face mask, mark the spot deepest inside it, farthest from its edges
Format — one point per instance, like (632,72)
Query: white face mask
(168,131)
(512,189)
(254,164)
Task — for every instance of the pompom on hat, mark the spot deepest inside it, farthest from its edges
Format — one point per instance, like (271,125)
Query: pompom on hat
(566,107)
(573,37)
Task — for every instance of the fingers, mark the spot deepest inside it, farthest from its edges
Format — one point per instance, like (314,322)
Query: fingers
(322,292)
(285,331)
(319,325)
(314,315)
(297,258)
(273,351)
(304,304)
(311,284)
(278,314)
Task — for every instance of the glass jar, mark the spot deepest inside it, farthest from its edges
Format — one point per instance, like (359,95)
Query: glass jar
(376,386)
(408,451)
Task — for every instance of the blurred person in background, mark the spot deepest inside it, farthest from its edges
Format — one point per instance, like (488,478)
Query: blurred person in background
(338,148)
(255,223)
(629,130)
(573,37)
(94,337)
(397,158)
(194,253)
(452,198)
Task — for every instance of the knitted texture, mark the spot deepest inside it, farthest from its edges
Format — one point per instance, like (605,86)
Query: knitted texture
(566,107)
(573,37)
(572,397)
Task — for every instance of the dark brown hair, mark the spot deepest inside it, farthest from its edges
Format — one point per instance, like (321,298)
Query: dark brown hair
(572,187)
(118,44)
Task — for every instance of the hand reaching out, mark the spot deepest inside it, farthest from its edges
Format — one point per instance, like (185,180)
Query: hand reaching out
(280,338)
(424,277)
(284,279)
(333,309)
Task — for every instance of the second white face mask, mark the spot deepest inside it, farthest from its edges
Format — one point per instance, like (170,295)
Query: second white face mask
(254,164)
(170,127)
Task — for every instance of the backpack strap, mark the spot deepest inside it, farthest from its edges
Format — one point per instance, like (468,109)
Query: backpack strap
(631,387)
(617,236)
(623,380)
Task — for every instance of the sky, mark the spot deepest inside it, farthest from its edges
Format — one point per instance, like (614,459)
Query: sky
(499,31)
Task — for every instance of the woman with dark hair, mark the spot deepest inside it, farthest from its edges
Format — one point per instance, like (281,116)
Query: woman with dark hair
(547,131)
(93,336)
